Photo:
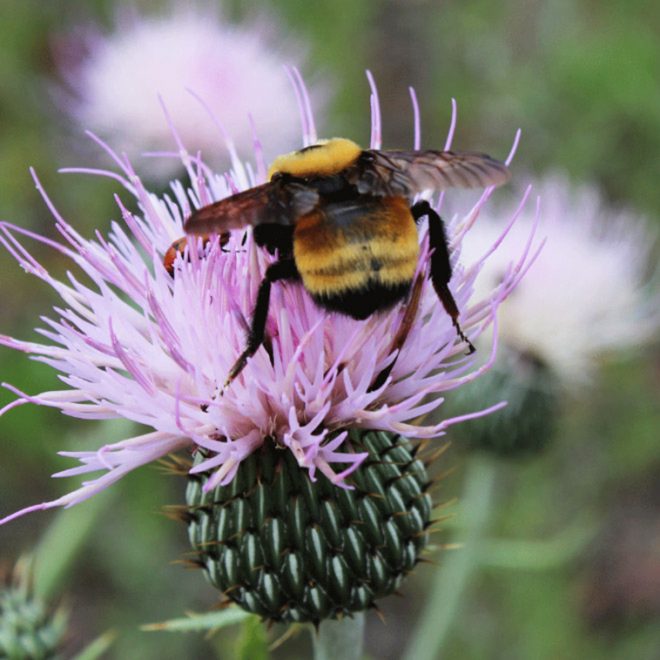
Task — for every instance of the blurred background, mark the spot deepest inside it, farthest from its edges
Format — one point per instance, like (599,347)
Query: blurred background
(575,529)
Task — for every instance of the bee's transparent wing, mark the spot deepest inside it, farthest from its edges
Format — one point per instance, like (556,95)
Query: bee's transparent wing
(406,173)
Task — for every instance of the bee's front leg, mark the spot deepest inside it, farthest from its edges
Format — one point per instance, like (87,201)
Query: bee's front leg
(179,248)
(278,271)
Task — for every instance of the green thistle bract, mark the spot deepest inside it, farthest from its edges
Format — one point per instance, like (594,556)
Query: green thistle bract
(290,549)
(527,424)
(27,628)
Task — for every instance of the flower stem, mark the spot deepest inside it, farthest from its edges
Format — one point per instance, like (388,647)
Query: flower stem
(340,639)
(453,577)
(537,555)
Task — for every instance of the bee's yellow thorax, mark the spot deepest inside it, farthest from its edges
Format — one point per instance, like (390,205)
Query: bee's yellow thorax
(324,158)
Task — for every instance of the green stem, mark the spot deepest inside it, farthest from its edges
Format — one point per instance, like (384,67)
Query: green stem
(452,578)
(532,555)
(342,639)
(56,553)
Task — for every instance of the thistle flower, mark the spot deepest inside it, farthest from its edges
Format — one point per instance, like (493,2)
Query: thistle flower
(585,298)
(302,426)
(191,57)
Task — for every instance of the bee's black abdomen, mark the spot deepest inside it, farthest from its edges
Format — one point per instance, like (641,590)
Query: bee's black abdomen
(357,256)
(363,303)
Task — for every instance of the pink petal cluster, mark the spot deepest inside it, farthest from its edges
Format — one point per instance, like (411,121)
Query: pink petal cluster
(130,341)
(589,294)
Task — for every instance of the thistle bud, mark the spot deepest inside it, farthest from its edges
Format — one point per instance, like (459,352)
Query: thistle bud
(528,421)
(28,628)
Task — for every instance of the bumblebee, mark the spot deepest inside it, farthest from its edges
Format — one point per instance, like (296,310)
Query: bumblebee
(342,221)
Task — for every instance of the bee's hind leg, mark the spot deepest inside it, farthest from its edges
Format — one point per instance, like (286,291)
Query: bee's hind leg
(280,270)
(440,264)
(409,316)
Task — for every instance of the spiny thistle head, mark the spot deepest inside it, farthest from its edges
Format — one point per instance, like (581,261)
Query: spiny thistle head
(28,628)
(527,423)
(291,550)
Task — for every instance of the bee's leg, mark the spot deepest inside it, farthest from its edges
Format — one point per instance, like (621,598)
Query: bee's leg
(173,251)
(280,270)
(179,247)
(440,264)
(407,321)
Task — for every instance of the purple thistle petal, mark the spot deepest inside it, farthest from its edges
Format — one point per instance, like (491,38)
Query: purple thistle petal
(312,136)
(376,133)
(452,125)
(308,130)
(417,121)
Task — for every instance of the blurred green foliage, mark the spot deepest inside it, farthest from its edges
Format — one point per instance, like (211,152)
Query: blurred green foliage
(580,78)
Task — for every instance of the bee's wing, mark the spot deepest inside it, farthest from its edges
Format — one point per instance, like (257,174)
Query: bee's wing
(272,202)
(406,173)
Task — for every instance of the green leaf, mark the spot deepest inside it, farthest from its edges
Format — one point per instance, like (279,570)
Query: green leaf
(64,539)
(97,648)
(200,622)
(68,533)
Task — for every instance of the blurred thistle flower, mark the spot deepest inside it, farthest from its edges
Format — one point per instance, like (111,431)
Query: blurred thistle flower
(304,500)
(28,629)
(587,296)
(193,59)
